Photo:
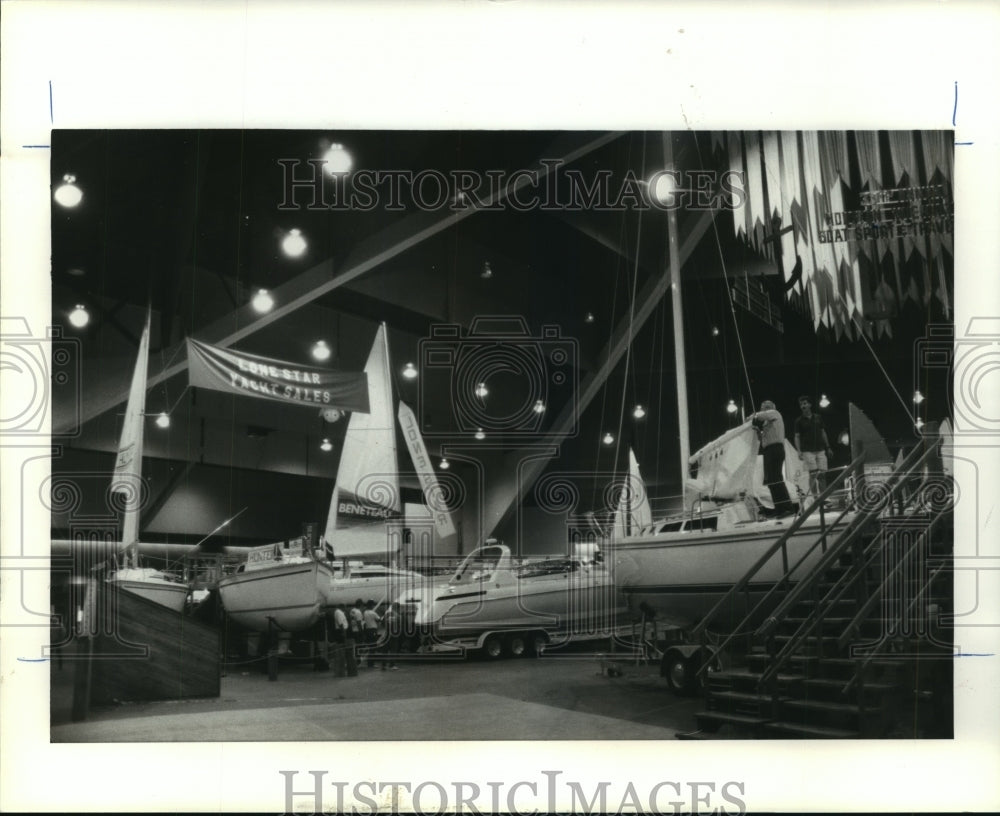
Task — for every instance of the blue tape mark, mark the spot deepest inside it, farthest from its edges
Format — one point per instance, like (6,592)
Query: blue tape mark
(52,118)
(963,143)
(34,659)
(45,146)
(975,654)
(954,110)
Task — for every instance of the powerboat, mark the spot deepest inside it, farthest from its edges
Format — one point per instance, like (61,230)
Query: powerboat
(495,603)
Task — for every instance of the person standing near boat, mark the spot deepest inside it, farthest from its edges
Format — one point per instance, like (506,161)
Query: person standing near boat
(812,445)
(771,430)
(370,622)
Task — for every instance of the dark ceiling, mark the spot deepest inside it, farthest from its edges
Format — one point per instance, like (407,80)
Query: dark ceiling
(190,223)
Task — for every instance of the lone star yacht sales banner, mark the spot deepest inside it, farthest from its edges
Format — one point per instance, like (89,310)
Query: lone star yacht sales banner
(236,372)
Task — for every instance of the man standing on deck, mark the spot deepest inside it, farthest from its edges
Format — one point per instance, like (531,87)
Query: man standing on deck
(771,430)
(812,445)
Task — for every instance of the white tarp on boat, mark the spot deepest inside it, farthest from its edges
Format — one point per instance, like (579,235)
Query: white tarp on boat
(730,467)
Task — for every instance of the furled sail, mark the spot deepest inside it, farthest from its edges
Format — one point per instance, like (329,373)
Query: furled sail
(127,479)
(367,493)
(633,511)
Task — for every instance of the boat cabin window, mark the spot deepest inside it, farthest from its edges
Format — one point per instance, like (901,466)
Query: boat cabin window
(481,567)
(703,523)
(670,527)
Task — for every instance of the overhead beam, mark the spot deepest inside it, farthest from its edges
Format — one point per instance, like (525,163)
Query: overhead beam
(323,278)
(626,330)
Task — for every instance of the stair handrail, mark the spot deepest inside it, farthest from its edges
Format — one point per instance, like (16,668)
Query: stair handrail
(879,648)
(852,627)
(818,615)
(916,459)
(702,625)
(780,660)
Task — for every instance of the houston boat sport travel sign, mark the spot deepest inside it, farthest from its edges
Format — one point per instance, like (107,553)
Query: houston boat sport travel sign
(237,372)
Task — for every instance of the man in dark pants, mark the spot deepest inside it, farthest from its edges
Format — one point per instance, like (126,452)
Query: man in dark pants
(771,430)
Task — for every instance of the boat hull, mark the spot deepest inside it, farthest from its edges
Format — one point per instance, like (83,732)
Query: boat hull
(289,597)
(683,575)
(581,604)
(381,588)
(171,594)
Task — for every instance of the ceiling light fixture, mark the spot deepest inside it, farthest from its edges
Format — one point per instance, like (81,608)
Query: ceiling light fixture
(338,161)
(445,464)
(321,351)
(845,438)
(480,435)
(715,331)
(409,371)
(262,302)
(68,194)
(294,244)
(731,407)
(79,317)
(917,397)
(326,445)
(918,424)
(331,414)
(608,439)
(589,317)
(639,412)
(163,420)
(823,401)
(539,407)
(487,272)
(482,391)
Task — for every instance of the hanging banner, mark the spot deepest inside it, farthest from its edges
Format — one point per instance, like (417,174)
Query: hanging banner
(236,372)
(433,493)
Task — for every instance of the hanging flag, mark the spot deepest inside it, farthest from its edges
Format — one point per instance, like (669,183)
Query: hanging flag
(740,218)
(236,372)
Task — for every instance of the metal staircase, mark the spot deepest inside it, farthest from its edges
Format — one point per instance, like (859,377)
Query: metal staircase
(854,649)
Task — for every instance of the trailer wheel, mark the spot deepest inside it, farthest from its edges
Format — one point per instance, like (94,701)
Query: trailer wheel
(517,646)
(492,647)
(680,672)
(537,643)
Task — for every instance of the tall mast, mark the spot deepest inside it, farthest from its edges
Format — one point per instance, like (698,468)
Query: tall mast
(680,365)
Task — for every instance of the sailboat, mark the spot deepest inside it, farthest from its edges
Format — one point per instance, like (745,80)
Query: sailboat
(682,565)
(289,588)
(149,583)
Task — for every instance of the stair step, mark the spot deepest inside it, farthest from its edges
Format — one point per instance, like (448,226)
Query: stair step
(717,718)
(825,706)
(829,683)
(809,731)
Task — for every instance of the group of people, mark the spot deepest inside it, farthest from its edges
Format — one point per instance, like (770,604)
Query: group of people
(361,624)
(810,441)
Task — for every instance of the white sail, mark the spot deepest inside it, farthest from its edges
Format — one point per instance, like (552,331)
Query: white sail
(444,526)
(366,493)
(127,479)
(725,466)
(633,511)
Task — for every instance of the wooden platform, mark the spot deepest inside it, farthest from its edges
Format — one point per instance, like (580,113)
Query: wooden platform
(147,652)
